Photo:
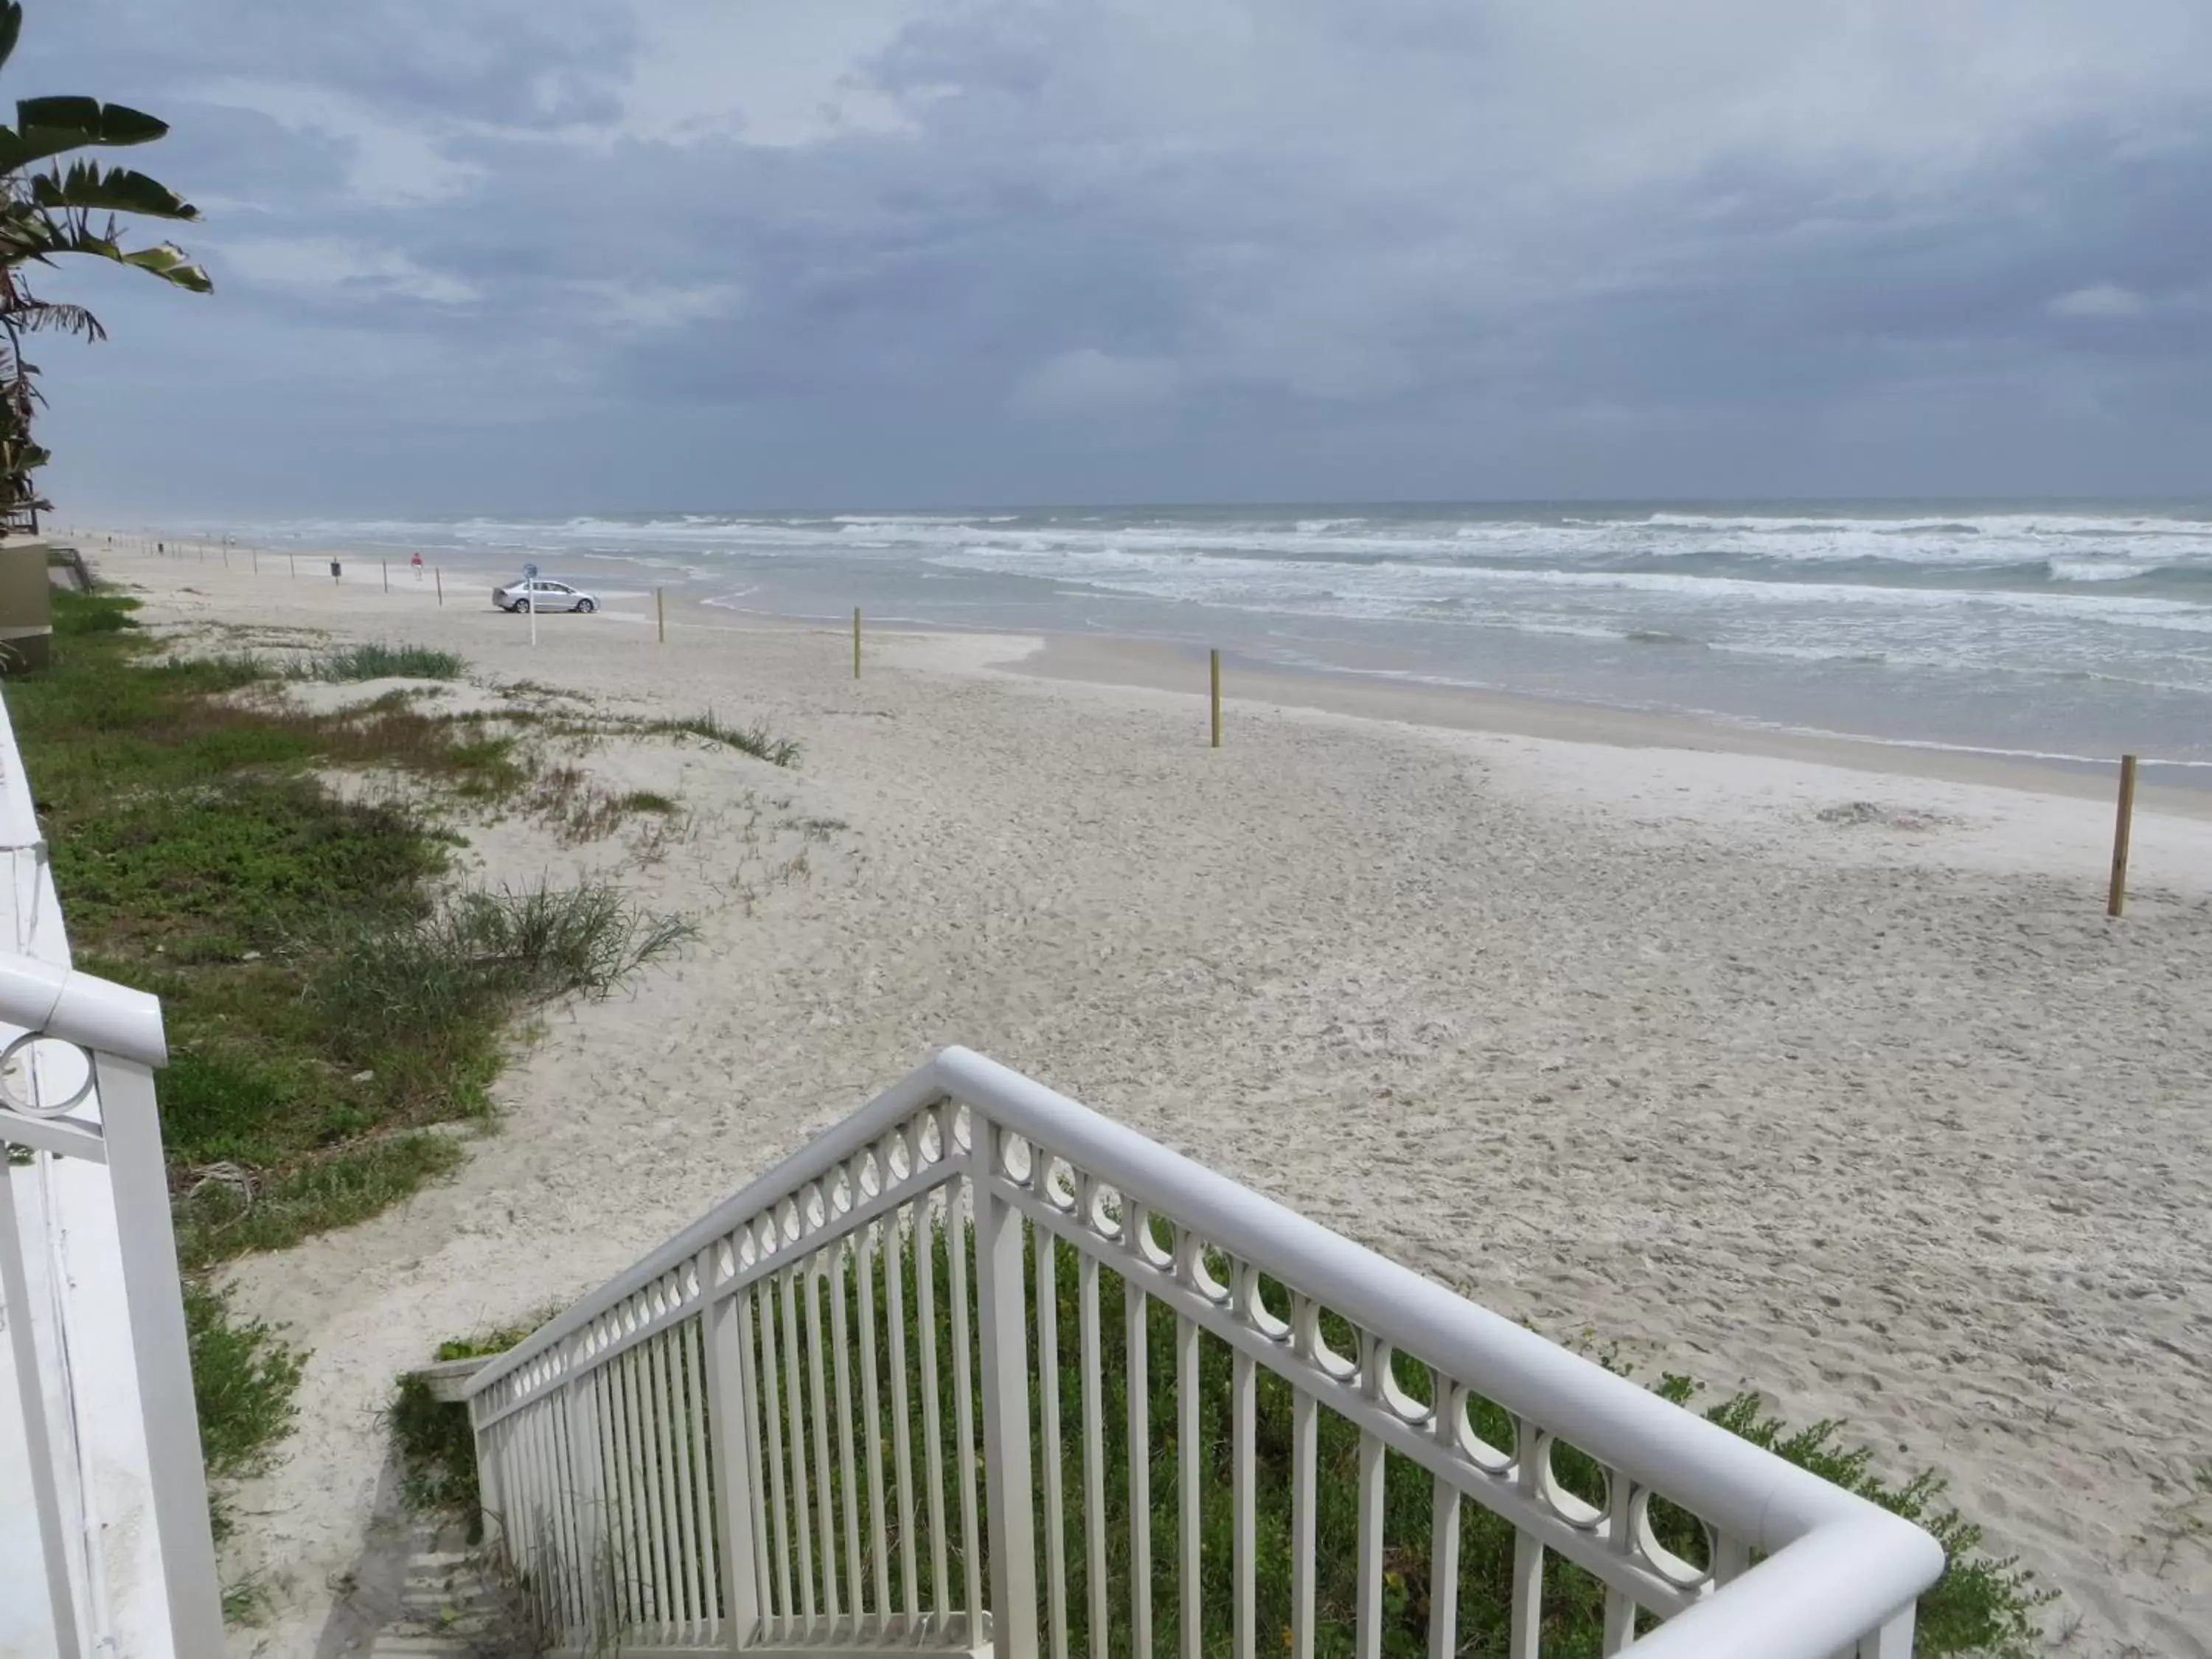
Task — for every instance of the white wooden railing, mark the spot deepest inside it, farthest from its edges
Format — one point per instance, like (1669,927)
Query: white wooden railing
(865,1404)
(104,1539)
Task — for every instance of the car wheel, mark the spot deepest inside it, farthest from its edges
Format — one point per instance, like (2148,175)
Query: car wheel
(585,607)
(521,605)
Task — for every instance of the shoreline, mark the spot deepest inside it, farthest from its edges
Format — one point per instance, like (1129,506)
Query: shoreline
(1179,669)
(2178,788)
(1667,775)
(1167,667)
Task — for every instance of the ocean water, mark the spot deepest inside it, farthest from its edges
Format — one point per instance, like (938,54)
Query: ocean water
(2066,631)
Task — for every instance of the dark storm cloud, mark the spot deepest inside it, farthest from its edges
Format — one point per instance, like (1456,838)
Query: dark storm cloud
(506,61)
(711,252)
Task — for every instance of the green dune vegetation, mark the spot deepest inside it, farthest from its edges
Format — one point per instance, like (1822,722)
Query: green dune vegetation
(330,994)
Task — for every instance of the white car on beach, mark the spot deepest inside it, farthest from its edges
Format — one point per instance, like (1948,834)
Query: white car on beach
(536,593)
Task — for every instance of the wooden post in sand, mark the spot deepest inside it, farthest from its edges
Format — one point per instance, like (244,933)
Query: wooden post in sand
(257,560)
(387,564)
(856,642)
(292,563)
(438,575)
(660,614)
(1214,658)
(2116,900)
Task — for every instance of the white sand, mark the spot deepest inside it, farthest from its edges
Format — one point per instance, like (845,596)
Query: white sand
(1882,1115)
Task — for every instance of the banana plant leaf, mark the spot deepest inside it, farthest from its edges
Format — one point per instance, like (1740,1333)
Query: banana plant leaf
(117,189)
(34,236)
(172,265)
(50,127)
(50,211)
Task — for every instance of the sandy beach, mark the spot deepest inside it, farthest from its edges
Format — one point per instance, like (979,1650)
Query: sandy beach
(1818,1070)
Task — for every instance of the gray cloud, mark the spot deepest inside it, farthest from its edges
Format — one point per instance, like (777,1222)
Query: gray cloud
(513,256)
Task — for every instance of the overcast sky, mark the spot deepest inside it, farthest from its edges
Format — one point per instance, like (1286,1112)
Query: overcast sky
(512,256)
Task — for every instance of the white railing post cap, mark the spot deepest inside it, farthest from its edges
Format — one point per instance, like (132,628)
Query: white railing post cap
(82,1008)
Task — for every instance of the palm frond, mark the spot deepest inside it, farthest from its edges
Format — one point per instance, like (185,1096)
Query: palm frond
(38,316)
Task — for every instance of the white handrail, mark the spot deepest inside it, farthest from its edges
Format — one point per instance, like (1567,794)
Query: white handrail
(1701,1466)
(82,1008)
(902,1100)
(1818,1597)
(1839,1574)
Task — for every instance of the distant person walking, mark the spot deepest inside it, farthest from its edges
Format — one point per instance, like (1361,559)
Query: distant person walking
(335,571)
(417,562)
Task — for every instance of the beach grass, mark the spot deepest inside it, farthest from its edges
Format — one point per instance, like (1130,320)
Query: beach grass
(755,740)
(579,810)
(437,1452)
(278,1207)
(378,661)
(244,1380)
(328,1002)
(425,995)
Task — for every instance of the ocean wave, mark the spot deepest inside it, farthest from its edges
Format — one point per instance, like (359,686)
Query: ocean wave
(2101,605)
(1790,535)
(2027,549)
(1753,524)
(1824,653)
(1242,580)
(1932,745)
(2095,570)
(893,520)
